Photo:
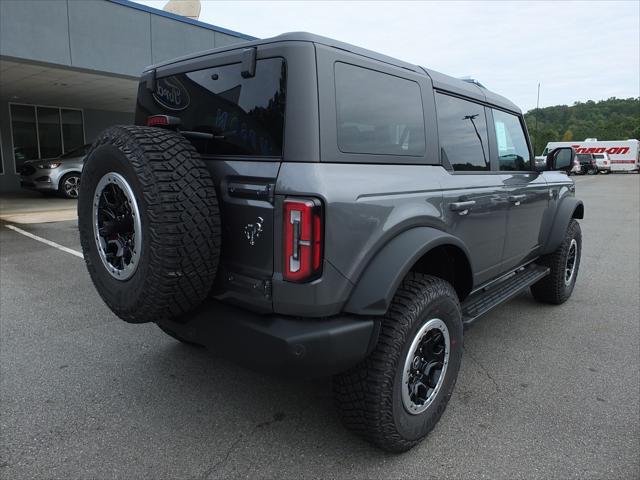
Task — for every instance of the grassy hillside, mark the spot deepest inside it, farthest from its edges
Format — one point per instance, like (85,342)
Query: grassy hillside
(612,119)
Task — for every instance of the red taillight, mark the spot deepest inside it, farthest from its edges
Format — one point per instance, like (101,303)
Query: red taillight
(157,120)
(162,120)
(302,239)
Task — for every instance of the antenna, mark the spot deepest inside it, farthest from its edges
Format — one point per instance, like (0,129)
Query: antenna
(535,142)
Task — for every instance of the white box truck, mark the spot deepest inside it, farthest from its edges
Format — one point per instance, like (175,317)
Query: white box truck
(624,155)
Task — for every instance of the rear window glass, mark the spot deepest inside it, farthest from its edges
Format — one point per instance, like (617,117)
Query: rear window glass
(378,113)
(462,129)
(584,156)
(238,116)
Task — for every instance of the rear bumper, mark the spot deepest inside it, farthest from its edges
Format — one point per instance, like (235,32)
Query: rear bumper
(289,346)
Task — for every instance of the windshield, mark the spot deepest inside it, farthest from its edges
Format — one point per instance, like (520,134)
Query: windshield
(77,152)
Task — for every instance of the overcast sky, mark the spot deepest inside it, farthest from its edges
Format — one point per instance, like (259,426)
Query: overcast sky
(577,50)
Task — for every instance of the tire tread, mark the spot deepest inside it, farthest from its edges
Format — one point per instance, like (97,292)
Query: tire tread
(551,289)
(184,226)
(364,394)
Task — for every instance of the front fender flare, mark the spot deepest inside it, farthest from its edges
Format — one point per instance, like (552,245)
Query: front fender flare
(378,283)
(570,207)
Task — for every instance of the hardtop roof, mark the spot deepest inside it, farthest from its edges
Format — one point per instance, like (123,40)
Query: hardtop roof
(440,80)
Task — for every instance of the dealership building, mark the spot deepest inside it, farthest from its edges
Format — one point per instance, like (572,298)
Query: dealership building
(69,69)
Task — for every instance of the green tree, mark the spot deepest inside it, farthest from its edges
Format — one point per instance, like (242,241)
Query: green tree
(611,119)
(568,136)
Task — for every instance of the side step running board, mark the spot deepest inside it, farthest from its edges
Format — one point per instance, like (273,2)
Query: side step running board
(481,302)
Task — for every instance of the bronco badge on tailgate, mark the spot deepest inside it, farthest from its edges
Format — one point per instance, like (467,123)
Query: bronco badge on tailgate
(253,230)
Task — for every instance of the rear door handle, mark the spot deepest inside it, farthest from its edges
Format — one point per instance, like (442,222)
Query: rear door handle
(516,198)
(462,206)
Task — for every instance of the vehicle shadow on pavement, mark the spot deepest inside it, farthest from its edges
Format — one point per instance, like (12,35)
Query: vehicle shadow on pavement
(246,421)
(243,417)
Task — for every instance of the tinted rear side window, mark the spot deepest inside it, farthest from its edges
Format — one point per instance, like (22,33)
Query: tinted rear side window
(378,113)
(462,129)
(242,116)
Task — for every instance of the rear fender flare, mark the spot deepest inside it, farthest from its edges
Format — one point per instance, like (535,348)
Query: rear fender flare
(378,283)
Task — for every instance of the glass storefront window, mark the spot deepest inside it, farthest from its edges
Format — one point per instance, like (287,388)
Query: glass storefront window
(44,132)
(1,160)
(49,132)
(25,133)
(72,129)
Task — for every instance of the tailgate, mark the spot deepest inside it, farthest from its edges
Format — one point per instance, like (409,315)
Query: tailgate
(235,120)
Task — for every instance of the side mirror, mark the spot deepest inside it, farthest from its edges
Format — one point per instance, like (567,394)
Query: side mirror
(561,159)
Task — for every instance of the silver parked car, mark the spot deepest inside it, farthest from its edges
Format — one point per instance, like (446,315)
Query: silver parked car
(58,175)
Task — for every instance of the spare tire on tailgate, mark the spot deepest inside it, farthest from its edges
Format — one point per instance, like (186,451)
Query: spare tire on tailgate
(149,223)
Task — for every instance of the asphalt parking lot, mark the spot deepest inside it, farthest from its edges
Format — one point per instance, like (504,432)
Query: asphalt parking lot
(544,392)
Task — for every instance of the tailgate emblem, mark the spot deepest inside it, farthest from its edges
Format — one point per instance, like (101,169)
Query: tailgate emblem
(171,94)
(252,231)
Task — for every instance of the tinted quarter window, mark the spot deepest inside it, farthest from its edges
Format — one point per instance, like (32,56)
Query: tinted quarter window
(378,113)
(462,129)
(513,150)
(239,116)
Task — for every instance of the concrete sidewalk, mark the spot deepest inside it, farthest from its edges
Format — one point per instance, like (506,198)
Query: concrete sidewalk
(33,207)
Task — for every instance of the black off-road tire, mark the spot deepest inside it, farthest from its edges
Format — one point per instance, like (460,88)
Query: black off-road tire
(369,396)
(553,288)
(180,223)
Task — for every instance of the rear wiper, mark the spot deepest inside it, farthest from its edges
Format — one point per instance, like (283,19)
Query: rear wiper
(201,135)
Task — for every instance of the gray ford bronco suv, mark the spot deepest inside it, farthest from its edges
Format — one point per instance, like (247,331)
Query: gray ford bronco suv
(312,208)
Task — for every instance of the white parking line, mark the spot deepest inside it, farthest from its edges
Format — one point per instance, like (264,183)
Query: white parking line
(45,241)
